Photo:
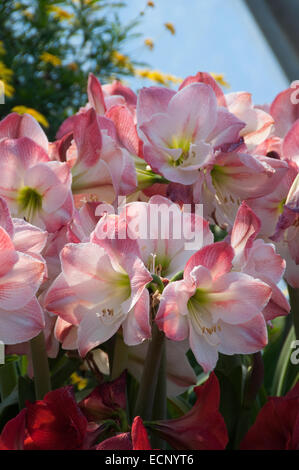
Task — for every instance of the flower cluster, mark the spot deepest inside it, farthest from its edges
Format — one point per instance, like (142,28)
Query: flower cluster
(110,234)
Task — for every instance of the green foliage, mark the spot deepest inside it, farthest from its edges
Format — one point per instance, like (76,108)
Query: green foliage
(48,48)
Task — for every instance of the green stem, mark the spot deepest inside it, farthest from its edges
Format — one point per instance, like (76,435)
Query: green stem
(149,379)
(42,381)
(160,403)
(294,302)
(120,357)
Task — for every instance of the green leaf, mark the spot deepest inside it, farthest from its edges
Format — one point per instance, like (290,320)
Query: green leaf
(283,364)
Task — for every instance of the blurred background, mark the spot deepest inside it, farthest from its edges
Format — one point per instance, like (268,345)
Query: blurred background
(47,48)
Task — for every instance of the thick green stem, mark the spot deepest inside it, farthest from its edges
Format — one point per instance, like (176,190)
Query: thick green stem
(294,301)
(42,381)
(120,357)
(150,374)
(160,403)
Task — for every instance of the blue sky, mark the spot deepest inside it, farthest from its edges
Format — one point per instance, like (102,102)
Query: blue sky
(211,35)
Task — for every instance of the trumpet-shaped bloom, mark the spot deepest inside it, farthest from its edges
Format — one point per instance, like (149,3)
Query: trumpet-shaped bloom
(258,259)
(21,275)
(181,130)
(166,235)
(233,177)
(219,310)
(99,165)
(101,288)
(34,187)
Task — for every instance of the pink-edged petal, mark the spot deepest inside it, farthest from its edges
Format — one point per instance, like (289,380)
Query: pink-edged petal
(136,327)
(8,254)
(284,111)
(277,305)
(28,238)
(88,138)
(204,77)
(245,338)
(171,316)
(23,324)
(152,100)
(61,300)
(94,330)
(265,263)
(66,334)
(246,176)
(126,128)
(128,183)
(116,88)
(217,258)
(226,131)
(237,298)
(290,146)
(89,272)
(20,284)
(114,235)
(95,94)
(15,126)
(205,353)
(246,228)
(195,110)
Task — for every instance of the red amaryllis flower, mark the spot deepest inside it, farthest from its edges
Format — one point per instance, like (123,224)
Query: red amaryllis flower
(54,423)
(136,440)
(277,424)
(203,427)
(105,400)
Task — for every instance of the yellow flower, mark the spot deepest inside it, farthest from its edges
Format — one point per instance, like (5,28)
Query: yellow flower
(170,27)
(149,43)
(157,76)
(37,115)
(6,77)
(79,381)
(121,60)
(50,59)
(219,77)
(60,13)
(150,4)
(28,14)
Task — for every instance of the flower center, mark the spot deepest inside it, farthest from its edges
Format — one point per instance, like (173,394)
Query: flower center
(184,145)
(200,316)
(29,201)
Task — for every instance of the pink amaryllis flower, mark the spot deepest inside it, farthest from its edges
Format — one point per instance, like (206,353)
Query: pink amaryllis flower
(102,286)
(258,123)
(33,186)
(181,130)
(219,310)
(21,274)
(285,110)
(99,165)
(203,427)
(232,177)
(166,235)
(15,126)
(258,259)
